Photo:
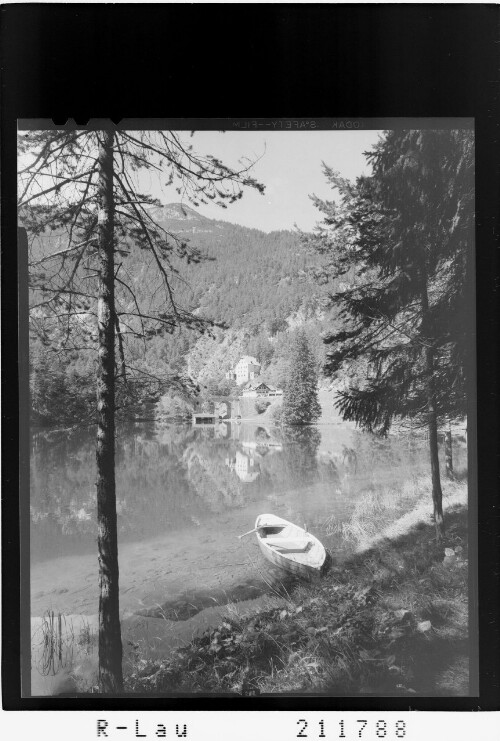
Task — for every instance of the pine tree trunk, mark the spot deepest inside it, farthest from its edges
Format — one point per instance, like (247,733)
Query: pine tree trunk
(110,644)
(437,494)
(448,454)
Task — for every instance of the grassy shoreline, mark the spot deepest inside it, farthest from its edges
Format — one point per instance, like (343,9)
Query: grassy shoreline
(392,620)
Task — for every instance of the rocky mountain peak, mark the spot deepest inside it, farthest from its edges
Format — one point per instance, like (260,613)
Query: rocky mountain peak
(177,212)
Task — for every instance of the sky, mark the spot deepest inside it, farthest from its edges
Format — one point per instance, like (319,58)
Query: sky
(289,165)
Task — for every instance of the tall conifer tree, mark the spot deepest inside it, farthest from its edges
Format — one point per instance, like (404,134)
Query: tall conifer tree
(402,242)
(300,397)
(82,206)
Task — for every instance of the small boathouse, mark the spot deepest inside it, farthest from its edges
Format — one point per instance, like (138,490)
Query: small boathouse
(204,418)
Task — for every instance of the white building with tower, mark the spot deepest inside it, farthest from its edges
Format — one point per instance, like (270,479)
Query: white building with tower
(246,369)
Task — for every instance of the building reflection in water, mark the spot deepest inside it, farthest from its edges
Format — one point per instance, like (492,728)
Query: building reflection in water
(244,466)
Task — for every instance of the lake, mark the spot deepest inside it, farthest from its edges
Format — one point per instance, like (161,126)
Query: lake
(185,493)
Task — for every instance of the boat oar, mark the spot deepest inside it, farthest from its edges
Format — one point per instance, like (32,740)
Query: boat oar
(250,532)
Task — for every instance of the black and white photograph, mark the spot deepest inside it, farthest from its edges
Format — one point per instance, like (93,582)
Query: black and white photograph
(251,370)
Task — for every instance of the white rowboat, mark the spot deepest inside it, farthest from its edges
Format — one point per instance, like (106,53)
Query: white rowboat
(289,546)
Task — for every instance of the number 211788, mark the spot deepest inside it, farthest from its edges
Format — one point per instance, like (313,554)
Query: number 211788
(362,729)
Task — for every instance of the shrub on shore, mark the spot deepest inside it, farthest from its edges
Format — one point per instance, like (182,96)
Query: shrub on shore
(261,405)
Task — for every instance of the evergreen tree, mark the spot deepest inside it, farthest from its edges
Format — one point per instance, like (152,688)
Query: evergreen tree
(398,247)
(300,396)
(81,188)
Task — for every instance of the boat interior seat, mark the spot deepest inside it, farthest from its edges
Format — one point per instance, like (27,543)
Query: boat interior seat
(297,545)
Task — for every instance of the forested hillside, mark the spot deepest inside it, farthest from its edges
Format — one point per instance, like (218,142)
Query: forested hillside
(248,277)
(256,287)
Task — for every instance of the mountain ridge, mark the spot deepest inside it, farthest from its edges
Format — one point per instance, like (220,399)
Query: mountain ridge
(179,214)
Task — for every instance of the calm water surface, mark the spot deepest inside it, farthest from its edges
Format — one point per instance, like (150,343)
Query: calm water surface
(183,496)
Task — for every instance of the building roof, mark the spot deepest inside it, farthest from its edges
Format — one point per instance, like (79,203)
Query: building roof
(248,359)
(252,385)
